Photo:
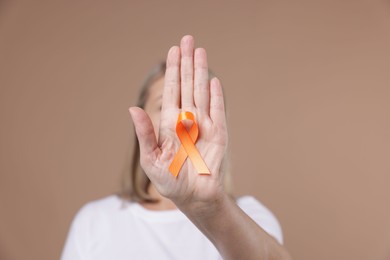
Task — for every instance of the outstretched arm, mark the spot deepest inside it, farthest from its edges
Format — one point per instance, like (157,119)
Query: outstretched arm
(201,197)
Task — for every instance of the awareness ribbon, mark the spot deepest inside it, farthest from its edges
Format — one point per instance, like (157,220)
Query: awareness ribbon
(187,147)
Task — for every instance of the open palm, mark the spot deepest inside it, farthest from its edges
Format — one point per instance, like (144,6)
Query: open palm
(186,88)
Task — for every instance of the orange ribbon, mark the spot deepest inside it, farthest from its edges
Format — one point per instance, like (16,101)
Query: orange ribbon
(187,147)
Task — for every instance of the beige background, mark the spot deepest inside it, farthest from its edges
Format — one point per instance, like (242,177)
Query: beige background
(307,86)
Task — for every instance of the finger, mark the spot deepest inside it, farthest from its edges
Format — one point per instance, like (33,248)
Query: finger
(187,72)
(217,106)
(201,84)
(145,134)
(171,93)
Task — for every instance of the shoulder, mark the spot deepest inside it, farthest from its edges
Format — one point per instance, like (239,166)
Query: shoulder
(252,205)
(92,216)
(89,225)
(261,215)
(100,206)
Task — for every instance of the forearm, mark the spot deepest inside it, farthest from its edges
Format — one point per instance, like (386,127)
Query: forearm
(234,233)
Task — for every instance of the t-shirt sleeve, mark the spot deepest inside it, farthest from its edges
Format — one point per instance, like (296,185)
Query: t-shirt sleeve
(76,244)
(262,216)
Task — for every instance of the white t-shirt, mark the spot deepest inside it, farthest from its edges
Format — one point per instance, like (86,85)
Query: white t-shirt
(111,228)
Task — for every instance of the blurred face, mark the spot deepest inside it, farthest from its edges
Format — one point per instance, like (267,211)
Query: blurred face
(154,102)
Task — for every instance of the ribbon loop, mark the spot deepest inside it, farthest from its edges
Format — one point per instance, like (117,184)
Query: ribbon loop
(187,147)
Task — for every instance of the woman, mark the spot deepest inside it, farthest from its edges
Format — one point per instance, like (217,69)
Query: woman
(188,216)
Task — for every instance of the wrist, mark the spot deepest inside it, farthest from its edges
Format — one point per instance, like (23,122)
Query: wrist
(206,208)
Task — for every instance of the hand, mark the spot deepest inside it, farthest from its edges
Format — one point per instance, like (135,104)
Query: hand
(186,88)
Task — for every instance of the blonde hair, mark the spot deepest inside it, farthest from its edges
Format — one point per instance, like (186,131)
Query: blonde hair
(135,182)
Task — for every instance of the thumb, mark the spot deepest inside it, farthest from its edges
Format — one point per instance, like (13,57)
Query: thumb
(145,133)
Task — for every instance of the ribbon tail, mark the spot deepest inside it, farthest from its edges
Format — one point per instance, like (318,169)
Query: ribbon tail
(178,161)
